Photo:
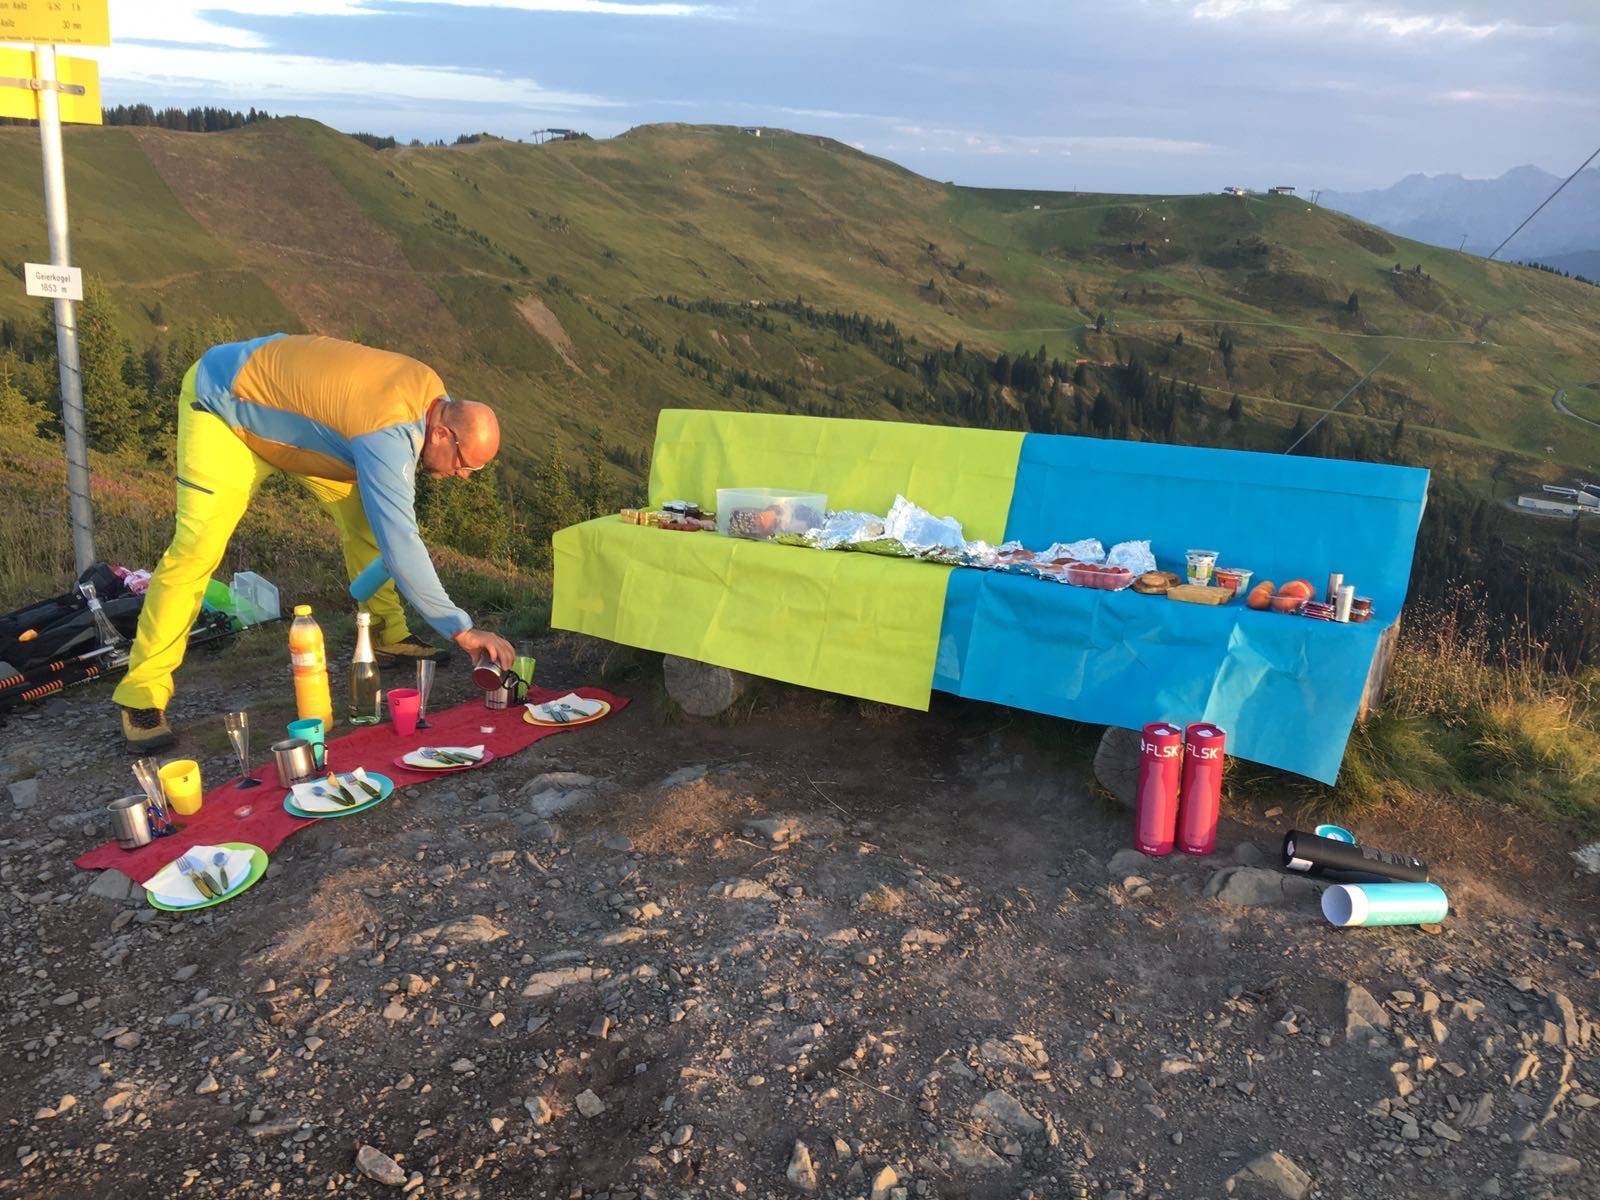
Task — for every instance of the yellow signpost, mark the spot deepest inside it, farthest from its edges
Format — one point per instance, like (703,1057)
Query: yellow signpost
(39,85)
(77,80)
(56,22)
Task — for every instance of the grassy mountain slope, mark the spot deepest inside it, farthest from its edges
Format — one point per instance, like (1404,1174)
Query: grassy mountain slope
(470,256)
(583,286)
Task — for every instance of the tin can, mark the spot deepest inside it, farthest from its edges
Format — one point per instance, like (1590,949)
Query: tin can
(1160,770)
(1346,598)
(1200,794)
(1335,582)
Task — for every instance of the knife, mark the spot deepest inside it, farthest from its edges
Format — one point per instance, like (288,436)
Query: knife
(338,792)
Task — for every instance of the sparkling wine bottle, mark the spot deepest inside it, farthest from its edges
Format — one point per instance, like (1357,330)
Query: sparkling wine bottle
(366,686)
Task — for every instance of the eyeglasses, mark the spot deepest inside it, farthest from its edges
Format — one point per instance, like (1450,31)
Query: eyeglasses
(461,463)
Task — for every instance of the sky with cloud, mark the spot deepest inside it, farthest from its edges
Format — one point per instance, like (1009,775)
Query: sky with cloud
(1161,95)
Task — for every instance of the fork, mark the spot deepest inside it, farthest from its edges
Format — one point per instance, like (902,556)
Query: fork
(200,877)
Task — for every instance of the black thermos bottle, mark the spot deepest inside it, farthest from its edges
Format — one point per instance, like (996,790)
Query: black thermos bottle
(1312,855)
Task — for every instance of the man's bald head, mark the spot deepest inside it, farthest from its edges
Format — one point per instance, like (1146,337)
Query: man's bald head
(462,437)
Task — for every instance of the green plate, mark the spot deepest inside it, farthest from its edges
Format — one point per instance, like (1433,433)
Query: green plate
(258,868)
(385,790)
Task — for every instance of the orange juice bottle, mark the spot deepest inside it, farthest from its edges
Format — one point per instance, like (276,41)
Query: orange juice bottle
(310,665)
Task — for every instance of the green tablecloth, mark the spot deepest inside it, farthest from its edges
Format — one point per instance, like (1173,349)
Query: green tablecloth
(856,624)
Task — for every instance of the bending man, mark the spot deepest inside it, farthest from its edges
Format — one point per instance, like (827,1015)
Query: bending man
(354,424)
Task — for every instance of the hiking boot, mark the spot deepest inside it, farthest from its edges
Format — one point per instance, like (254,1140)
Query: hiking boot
(145,730)
(410,649)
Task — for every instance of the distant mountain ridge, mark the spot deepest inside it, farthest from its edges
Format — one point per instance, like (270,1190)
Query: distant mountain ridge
(1441,209)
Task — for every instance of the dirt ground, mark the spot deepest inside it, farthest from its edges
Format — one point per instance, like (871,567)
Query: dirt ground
(825,948)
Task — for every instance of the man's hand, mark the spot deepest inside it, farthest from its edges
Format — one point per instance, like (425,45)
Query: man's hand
(480,644)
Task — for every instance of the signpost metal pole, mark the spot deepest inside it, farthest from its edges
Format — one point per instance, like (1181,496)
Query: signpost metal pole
(72,416)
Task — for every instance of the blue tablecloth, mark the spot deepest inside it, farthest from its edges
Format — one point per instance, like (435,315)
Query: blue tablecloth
(1286,689)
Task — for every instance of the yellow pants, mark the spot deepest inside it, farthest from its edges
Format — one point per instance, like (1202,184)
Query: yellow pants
(217,477)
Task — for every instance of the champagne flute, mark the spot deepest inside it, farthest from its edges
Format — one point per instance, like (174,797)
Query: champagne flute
(238,726)
(424,685)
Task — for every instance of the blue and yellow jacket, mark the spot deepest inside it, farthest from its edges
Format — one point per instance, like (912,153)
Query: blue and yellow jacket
(329,409)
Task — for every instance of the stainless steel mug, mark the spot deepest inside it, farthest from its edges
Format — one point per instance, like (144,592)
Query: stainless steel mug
(501,697)
(130,822)
(295,759)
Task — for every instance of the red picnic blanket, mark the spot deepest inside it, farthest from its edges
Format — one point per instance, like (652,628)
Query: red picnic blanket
(375,747)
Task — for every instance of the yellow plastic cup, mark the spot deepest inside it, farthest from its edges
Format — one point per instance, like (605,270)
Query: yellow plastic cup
(180,779)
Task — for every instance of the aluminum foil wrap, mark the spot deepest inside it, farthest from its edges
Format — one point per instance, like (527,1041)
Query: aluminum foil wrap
(845,528)
(1087,550)
(919,531)
(1136,556)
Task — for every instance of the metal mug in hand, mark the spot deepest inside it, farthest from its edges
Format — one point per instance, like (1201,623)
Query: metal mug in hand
(130,822)
(502,688)
(295,759)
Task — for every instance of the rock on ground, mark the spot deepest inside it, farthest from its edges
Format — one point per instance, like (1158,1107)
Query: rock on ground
(112,884)
(1364,1017)
(1127,862)
(1005,1109)
(476,930)
(376,1165)
(742,889)
(970,1153)
(1542,1162)
(701,689)
(1273,1175)
(1255,887)
(802,1173)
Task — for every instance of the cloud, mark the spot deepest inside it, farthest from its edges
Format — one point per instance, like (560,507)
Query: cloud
(827,114)
(1222,10)
(1444,26)
(270,80)
(1519,97)
(189,45)
(1396,18)
(985,142)
(205,22)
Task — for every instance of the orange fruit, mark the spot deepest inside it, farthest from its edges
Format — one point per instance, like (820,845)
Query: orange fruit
(1283,602)
(1261,595)
(1298,587)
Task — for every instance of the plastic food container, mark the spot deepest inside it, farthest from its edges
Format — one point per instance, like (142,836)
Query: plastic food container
(763,513)
(1235,579)
(255,600)
(1107,579)
(1201,563)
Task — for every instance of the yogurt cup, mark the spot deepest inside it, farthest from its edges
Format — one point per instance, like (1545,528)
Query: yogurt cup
(1202,565)
(1235,579)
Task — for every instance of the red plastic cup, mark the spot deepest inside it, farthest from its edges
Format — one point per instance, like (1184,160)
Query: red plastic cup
(404,706)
